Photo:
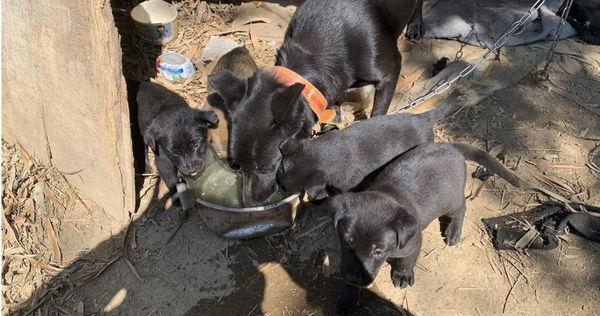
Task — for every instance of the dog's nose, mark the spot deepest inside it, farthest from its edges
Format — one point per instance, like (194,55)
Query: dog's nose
(233,164)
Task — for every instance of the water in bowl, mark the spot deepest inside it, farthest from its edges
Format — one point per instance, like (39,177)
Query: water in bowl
(221,185)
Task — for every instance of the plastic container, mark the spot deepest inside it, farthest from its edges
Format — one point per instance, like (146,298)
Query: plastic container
(174,66)
(156,21)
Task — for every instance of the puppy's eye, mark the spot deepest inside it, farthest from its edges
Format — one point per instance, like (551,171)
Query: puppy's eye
(377,253)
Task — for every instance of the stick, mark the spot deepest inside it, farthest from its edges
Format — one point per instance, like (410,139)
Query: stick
(509,292)
(557,197)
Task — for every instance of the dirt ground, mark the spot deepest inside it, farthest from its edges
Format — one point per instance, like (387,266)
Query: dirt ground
(62,256)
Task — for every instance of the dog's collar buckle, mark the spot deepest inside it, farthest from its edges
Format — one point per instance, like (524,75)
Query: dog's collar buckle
(314,97)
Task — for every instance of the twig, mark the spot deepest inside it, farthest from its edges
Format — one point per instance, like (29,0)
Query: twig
(308,232)
(223,294)
(182,220)
(558,197)
(74,192)
(509,292)
(133,268)
(124,253)
(232,31)
(255,306)
(43,300)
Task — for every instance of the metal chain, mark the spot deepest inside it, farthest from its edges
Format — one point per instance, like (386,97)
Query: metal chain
(543,74)
(467,70)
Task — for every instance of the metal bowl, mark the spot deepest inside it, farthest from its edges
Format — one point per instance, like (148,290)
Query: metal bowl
(236,223)
(217,195)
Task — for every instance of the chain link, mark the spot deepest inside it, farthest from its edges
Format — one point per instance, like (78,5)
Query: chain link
(543,74)
(469,69)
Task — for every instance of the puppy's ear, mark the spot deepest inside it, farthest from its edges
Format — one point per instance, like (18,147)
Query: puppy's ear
(290,146)
(214,99)
(316,186)
(405,226)
(287,105)
(336,207)
(208,118)
(152,136)
(228,89)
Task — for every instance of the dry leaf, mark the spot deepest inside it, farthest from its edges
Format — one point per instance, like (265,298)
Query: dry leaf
(410,79)
(191,52)
(257,20)
(53,241)
(563,165)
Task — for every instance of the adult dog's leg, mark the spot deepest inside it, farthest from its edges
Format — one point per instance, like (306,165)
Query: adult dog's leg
(384,89)
(414,29)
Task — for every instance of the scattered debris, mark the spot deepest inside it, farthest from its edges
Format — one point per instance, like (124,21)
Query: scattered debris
(217,47)
(439,66)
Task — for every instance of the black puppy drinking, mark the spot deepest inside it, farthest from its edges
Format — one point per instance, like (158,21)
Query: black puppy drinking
(329,46)
(176,133)
(339,160)
(241,64)
(384,219)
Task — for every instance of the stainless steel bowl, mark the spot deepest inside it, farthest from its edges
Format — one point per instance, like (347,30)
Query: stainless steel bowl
(217,195)
(236,223)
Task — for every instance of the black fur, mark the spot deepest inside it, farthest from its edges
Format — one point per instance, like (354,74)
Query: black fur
(339,160)
(335,45)
(175,132)
(384,219)
(239,62)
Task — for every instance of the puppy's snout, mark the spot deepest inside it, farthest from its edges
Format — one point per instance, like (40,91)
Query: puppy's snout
(233,164)
(191,168)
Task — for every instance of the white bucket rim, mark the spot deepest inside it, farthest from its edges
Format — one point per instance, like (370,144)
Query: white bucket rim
(143,6)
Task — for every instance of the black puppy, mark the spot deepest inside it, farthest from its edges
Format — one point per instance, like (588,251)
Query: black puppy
(241,64)
(339,160)
(383,221)
(175,132)
(329,46)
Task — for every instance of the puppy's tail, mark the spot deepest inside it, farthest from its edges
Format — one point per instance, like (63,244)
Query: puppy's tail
(442,110)
(449,106)
(483,158)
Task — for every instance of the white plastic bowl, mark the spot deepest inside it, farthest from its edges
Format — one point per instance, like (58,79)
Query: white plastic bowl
(155,20)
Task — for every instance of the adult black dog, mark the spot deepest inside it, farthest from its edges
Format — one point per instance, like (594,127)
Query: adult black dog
(329,46)
(339,160)
(384,219)
(175,132)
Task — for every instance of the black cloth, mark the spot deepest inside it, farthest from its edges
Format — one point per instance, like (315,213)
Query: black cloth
(585,18)
(549,220)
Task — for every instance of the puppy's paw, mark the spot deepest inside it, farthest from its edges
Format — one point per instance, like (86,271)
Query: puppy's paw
(415,30)
(453,233)
(403,279)
(172,201)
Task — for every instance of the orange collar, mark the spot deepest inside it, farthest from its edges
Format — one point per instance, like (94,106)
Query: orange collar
(313,96)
